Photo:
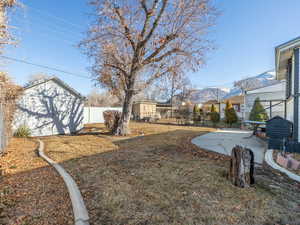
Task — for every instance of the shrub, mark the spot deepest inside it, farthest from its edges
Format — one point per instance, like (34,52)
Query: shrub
(213,108)
(230,114)
(9,93)
(111,119)
(258,112)
(196,113)
(23,131)
(215,118)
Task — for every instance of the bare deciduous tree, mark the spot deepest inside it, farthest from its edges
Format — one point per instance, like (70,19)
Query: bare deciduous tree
(37,77)
(134,42)
(104,99)
(5,37)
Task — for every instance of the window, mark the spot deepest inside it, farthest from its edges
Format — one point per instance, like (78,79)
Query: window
(237,108)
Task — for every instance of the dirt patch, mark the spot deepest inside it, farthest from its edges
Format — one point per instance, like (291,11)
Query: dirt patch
(159,177)
(31,192)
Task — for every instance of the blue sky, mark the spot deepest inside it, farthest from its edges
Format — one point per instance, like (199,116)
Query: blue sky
(245,36)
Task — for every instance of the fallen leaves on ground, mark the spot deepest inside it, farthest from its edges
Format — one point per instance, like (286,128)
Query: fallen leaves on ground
(31,192)
(161,178)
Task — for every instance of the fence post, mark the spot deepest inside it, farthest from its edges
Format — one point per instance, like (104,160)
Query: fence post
(270,109)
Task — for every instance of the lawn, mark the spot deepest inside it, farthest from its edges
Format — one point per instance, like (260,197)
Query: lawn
(156,176)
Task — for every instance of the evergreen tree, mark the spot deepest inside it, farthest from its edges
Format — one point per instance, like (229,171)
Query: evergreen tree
(258,112)
(196,113)
(215,118)
(230,114)
(213,108)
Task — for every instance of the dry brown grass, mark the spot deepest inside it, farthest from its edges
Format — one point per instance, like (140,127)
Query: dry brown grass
(159,177)
(31,192)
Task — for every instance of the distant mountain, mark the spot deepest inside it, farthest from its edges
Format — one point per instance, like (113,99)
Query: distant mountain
(250,83)
(206,94)
(261,80)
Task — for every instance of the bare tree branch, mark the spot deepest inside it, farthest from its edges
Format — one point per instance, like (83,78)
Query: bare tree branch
(155,24)
(126,28)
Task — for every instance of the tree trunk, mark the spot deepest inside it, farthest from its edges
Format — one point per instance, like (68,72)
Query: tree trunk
(123,126)
(241,171)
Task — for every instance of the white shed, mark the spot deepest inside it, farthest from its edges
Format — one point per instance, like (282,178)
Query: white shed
(50,107)
(272,98)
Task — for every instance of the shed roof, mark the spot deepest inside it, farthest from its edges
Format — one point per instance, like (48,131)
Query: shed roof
(59,82)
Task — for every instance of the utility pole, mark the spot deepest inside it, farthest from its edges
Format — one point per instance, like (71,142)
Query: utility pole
(218,100)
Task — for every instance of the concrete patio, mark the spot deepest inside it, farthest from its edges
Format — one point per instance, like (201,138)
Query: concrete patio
(222,141)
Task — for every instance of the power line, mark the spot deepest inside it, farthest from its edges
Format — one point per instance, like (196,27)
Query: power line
(63,31)
(44,13)
(45,67)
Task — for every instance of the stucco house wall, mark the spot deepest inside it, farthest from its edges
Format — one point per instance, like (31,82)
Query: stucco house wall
(142,109)
(49,107)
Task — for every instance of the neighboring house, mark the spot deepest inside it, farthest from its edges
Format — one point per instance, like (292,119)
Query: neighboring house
(288,68)
(206,106)
(49,107)
(164,110)
(272,97)
(237,103)
(144,109)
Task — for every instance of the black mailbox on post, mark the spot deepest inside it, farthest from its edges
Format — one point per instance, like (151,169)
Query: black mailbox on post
(278,131)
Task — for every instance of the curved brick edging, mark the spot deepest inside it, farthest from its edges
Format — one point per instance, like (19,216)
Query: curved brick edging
(269,160)
(81,216)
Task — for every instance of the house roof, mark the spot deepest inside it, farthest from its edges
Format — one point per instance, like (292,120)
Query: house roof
(211,102)
(239,99)
(145,102)
(57,81)
(283,53)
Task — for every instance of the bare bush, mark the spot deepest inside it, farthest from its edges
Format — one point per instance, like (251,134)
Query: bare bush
(5,36)
(105,99)
(111,119)
(8,95)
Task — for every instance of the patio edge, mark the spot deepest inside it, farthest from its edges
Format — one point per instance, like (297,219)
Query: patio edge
(269,160)
(80,212)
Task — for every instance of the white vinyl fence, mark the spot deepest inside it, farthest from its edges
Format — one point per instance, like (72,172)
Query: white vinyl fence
(95,114)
